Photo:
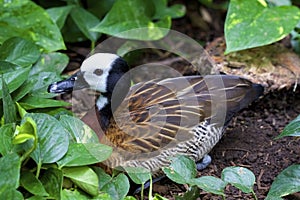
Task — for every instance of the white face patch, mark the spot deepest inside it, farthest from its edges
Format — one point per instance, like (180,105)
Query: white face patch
(96,70)
(101,102)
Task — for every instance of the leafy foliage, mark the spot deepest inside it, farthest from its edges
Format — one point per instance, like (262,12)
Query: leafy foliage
(26,19)
(183,170)
(287,182)
(142,27)
(253,23)
(292,129)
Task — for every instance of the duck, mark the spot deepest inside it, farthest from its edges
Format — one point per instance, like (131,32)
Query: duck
(150,122)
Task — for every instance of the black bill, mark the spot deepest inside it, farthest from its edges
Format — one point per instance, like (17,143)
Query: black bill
(75,82)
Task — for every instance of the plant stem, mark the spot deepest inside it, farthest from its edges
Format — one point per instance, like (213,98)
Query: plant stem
(92,46)
(150,189)
(254,195)
(38,170)
(142,192)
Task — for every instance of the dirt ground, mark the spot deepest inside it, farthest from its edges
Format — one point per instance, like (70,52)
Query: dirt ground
(249,140)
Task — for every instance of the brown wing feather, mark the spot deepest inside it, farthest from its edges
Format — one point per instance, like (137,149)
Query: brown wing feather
(157,113)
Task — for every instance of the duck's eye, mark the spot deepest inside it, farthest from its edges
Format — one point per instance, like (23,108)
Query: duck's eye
(98,72)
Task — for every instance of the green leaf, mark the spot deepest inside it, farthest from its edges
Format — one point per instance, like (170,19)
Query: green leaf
(9,107)
(210,184)
(24,89)
(19,51)
(99,7)
(53,140)
(240,177)
(32,184)
(85,21)
(10,166)
(162,11)
(138,24)
(78,131)
(181,170)
(14,79)
(8,67)
(118,187)
(27,130)
(292,129)
(85,154)
(10,193)
(287,182)
(21,110)
(84,177)
(59,14)
(192,194)
(33,102)
(74,194)
(42,82)
(27,20)
(52,180)
(50,62)
(139,175)
(6,134)
(103,177)
(251,24)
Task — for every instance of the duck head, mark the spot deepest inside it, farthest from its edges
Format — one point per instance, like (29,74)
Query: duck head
(100,72)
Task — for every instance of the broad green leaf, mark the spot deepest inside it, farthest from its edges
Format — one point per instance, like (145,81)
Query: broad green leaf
(103,177)
(8,67)
(9,107)
(14,79)
(240,177)
(53,140)
(251,24)
(42,82)
(292,129)
(74,194)
(287,182)
(24,89)
(138,24)
(19,51)
(192,194)
(21,138)
(210,184)
(80,154)
(181,170)
(295,39)
(118,187)
(50,62)
(33,102)
(10,166)
(78,131)
(27,20)
(32,184)
(27,130)
(84,177)
(56,112)
(59,14)
(139,175)
(22,112)
(279,2)
(99,7)
(36,198)
(162,10)
(71,32)
(85,21)
(6,134)
(52,180)
(10,193)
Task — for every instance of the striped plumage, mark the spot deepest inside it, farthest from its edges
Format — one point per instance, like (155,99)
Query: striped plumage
(157,120)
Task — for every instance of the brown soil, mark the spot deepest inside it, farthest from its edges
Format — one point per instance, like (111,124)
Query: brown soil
(249,140)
